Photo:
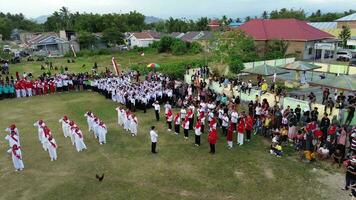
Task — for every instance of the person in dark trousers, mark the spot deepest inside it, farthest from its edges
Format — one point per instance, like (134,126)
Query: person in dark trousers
(157,109)
(154,137)
(212,140)
(324,125)
(350,115)
(350,177)
(298,112)
(197,133)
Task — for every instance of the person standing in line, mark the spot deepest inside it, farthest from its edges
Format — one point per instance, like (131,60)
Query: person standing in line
(249,127)
(177,123)
(225,124)
(157,109)
(240,131)
(169,119)
(230,135)
(154,137)
(197,133)
(212,137)
(52,148)
(16,157)
(185,126)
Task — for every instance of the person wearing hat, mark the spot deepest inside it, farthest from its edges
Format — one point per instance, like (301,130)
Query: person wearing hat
(39,124)
(52,148)
(157,108)
(154,136)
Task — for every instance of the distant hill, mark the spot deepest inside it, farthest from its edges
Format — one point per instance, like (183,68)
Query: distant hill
(152,19)
(41,19)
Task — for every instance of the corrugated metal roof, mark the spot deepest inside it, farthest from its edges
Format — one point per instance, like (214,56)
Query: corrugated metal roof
(351,17)
(323,25)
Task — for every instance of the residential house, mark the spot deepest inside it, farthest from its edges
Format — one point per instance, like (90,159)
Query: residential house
(214,25)
(192,36)
(301,37)
(176,35)
(234,25)
(335,27)
(142,39)
(50,44)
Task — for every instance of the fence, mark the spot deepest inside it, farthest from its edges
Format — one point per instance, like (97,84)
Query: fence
(277,62)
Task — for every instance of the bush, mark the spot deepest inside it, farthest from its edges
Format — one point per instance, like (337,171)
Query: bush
(179,47)
(236,64)
(195,48)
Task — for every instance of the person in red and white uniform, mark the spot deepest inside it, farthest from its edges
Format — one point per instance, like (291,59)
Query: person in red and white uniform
(197,130)
(169,119)
(79,139)
(65,126)
(185,126)
(102,131)
(39,124)
(52,148)
(177,123)
(16,157)
(13,139)
(28,84)
(133,125)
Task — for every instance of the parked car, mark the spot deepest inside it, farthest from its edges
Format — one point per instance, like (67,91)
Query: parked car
(343,56)
(6,49)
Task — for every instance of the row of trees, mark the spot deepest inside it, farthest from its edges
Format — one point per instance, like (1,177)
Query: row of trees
(8,22)
(317,16)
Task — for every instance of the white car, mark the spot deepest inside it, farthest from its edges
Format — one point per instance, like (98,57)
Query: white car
(343,55)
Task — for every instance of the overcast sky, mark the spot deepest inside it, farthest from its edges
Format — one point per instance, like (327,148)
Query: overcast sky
(175,8)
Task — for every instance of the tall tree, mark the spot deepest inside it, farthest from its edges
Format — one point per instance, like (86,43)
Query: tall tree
(345,35)
(265,15)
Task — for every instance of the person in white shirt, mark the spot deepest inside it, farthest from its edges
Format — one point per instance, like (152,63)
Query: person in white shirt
(133,125)
(167,107)
(154,136)
(234,117)
(157,109)
(225,124)
(52,148)
(183,113)
(119,117)
(16,157)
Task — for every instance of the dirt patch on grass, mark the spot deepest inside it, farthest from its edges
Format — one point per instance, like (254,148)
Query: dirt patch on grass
(269,173)
(239,174)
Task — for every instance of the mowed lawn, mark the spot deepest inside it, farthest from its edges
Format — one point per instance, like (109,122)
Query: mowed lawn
(85,64)
(179,171)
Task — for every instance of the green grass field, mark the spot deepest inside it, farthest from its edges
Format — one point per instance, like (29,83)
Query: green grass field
(179,171)
(126,59)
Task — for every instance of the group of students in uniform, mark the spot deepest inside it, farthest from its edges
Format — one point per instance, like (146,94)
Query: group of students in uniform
(46,138)
(127,120)
(135,95)
(70,129)
(97,127)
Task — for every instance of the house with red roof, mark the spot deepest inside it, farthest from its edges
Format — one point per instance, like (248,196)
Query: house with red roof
(300,36)
(214,25)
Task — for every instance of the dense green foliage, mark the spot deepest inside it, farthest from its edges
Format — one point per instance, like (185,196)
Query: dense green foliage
(175,46)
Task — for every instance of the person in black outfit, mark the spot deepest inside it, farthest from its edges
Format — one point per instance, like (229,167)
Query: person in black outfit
(324,125)
(350,115)
(298,112)
(314,114)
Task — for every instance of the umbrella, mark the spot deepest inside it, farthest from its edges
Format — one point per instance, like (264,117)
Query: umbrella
(265,70)
(343,82)
(153,65)
(301,66)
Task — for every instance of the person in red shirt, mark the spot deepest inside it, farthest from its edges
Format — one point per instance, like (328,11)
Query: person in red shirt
(240,131)
(249,127)
(52,87)
(230,135)
(45,87)
(212,138)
